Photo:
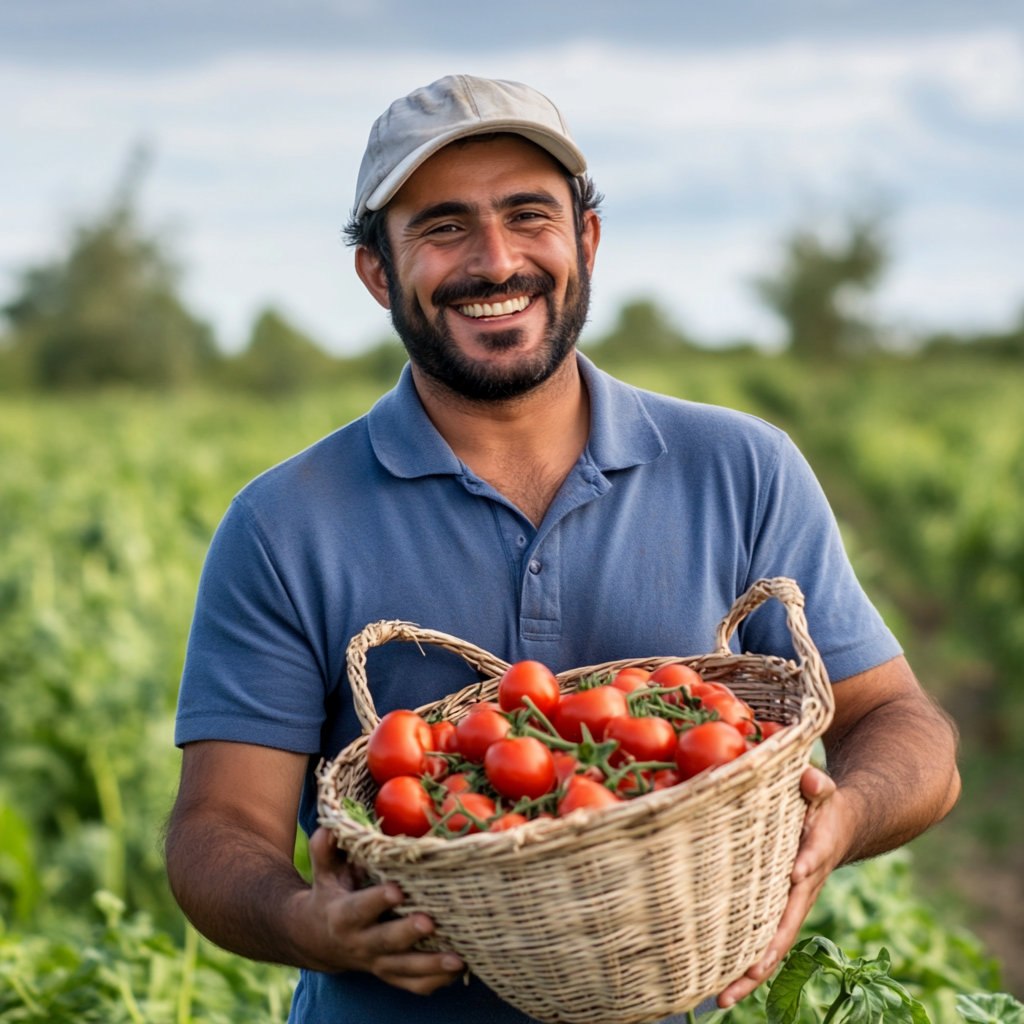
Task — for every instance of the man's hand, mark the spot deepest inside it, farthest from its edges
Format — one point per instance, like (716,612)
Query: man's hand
(892,774)
(343,923)
(826,838)
(229,861)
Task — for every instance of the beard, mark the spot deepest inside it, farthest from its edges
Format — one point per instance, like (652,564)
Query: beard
(433,349)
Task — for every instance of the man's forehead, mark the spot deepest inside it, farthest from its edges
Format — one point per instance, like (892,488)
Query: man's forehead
(483,171)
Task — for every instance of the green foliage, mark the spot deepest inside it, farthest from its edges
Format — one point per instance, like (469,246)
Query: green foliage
(819,286)
(127,971)
(280,360)
(990,1008)
(642,330)
(106,312)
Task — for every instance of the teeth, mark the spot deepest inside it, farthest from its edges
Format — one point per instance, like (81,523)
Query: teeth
(476,309)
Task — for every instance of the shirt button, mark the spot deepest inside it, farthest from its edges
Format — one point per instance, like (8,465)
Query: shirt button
(535,566)
(521,540)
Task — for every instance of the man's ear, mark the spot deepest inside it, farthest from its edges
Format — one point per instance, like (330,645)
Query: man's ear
(591,238)
(370,269)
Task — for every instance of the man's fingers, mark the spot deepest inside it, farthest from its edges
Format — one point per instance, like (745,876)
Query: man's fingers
(324,858)
(363,907)
(816,786)
(419,965)
(390,937)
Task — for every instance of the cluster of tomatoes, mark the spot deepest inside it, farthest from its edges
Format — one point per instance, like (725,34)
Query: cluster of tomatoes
(536,753)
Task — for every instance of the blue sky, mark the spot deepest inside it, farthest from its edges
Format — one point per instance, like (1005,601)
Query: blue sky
(710,131)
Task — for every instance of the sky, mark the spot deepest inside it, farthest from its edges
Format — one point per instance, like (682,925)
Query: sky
(710,131)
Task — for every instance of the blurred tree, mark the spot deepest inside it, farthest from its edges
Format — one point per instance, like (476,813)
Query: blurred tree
(382,364)
(820,287)
(280,359)
(642,329)
(108,311)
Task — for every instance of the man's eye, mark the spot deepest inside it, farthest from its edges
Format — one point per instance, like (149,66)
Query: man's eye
(443,229)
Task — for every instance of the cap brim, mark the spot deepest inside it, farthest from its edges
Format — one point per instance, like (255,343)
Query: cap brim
(558,146)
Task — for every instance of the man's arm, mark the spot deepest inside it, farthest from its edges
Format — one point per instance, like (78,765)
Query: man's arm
(892,774)
(229,861)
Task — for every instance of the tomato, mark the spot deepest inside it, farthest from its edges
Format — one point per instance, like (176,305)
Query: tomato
(629,679)
(707,746)
(477,804)
(404,807)
(457,783)
(666,777)
(675,675)
(628,785)
(483,705)
(565,765)
(437,767)
(477,732)
(528,679)
(398,746)
(443,737)
(771,728)
(703,689)
(507,821)
(582,792)
(730,710)
(647,739)
(520,767)
(593,708)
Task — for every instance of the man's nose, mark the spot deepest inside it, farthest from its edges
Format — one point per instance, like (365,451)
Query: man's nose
(494,256)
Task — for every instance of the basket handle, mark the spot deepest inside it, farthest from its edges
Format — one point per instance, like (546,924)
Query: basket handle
(377,633)
(785,590)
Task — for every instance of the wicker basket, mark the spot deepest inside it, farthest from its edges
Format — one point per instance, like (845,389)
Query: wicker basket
(622,915)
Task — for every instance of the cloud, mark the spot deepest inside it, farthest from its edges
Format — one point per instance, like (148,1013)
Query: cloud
(705,156)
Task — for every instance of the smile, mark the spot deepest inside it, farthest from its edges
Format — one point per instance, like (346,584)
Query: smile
(492,309)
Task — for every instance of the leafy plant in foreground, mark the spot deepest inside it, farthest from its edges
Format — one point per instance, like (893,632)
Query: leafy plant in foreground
(866,992)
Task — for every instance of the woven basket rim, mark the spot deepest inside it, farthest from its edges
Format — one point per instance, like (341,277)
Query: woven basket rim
(815,713)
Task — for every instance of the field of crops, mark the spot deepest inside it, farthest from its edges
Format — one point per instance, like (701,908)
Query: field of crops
(107,504)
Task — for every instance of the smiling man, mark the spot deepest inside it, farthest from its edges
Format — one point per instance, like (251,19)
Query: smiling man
(510,493)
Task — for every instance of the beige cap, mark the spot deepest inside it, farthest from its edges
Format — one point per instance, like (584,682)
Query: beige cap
(418,125)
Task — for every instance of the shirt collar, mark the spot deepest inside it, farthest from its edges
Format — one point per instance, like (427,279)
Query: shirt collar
(407,444)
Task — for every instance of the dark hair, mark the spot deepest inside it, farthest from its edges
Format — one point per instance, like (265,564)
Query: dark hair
(371,230)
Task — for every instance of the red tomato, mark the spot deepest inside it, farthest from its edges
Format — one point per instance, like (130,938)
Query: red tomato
(528,679)
(437,767)
(771,728)
(703,688)
(675,675)
(520,767)
(404,807)
(477,732)
(477,804)
(629,679)
(457,783)
(507,821)
(666,777)
(483,705)
(583,792)
(628,786)
(647,739)
(565,765)
(398,746)
(730,710)
(443,737)
(707,746)
(593,708)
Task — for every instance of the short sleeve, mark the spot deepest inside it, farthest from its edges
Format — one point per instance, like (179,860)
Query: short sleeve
(250,673)
(797,536)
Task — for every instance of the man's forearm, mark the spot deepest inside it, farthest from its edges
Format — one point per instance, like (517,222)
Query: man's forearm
(236,888)
(897,767)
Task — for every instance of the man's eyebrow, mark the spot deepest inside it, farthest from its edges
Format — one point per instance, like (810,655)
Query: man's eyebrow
(527,199)
(449,208)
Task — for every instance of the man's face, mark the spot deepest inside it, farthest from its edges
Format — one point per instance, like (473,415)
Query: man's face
(491,283)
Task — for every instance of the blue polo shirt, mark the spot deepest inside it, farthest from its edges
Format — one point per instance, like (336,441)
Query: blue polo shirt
(672,511)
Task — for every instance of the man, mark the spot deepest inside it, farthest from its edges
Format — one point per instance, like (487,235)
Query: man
(510,493)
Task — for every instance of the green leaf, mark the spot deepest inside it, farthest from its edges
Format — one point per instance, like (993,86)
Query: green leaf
(783,1005)
(357,812)
(990,1008)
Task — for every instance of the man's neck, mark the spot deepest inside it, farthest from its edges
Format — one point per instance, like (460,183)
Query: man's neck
(524,447)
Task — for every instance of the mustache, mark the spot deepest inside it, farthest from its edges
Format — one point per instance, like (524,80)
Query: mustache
(450,292)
